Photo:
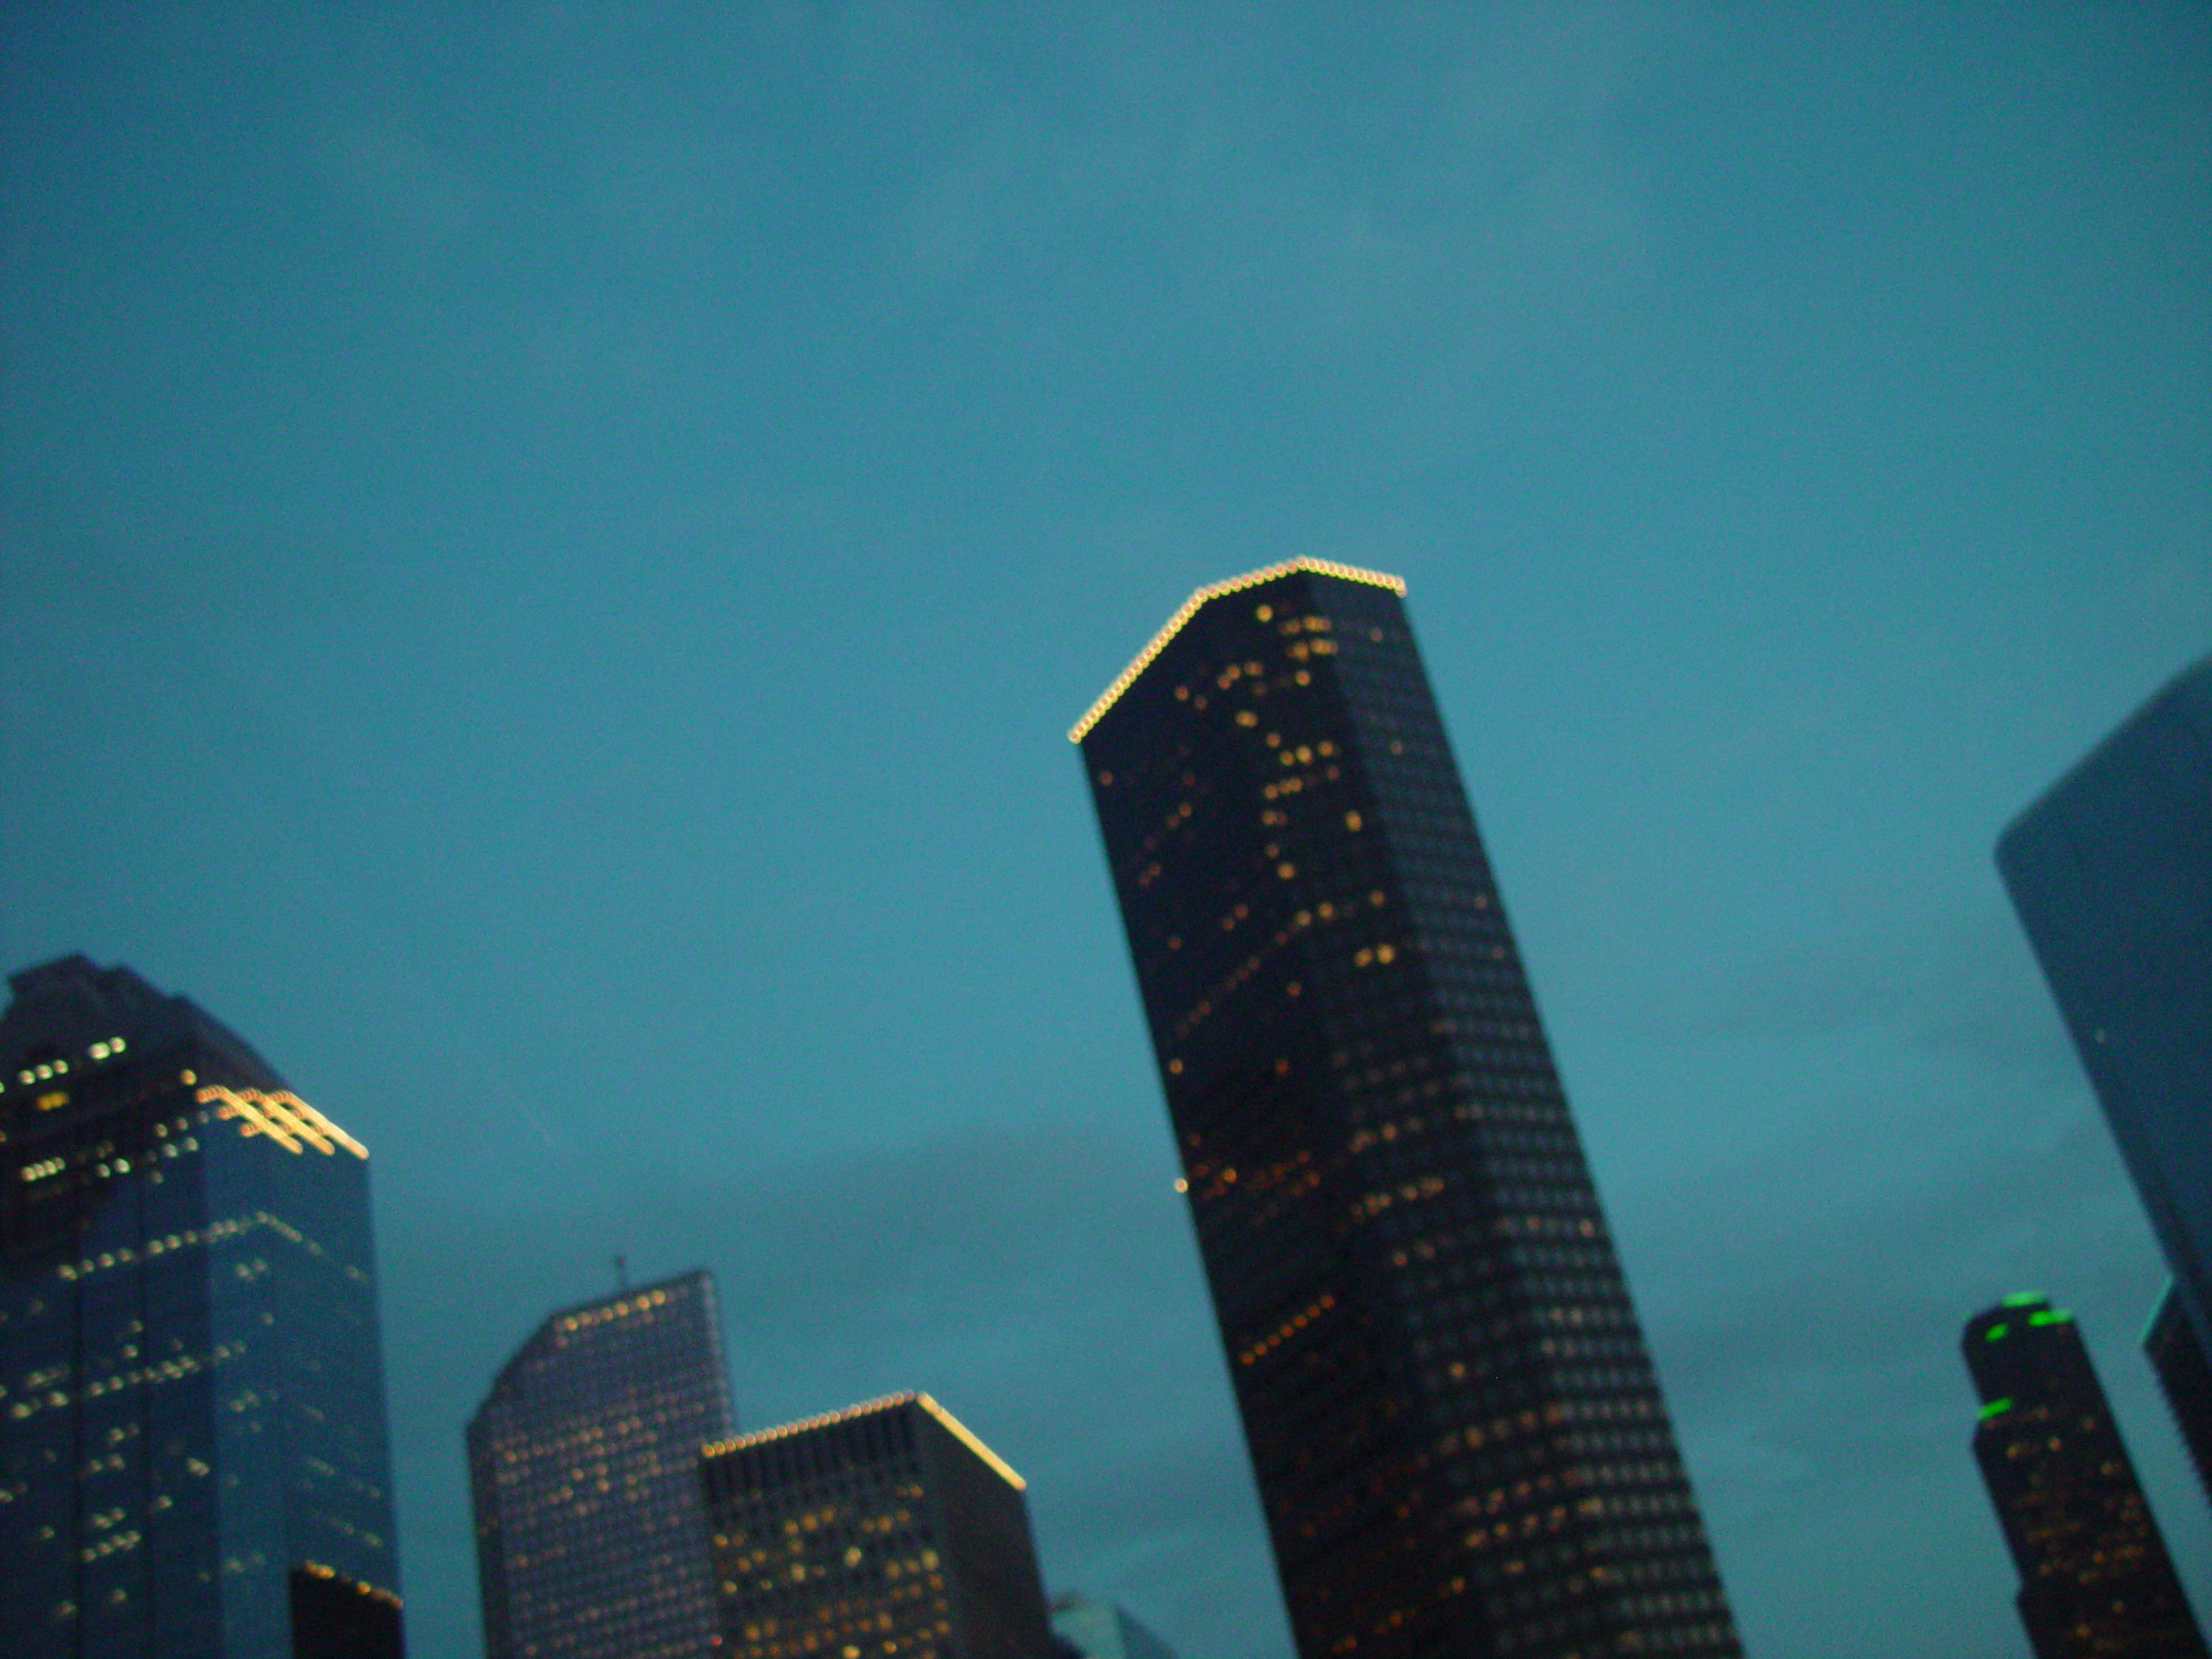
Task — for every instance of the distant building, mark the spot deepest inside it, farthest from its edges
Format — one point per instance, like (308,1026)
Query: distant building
(193,1453)
(1456,1428)
(2111,872)
(2185,1375)
(583,1468)
(1099,1630)
(885,1530)
(2095,1580)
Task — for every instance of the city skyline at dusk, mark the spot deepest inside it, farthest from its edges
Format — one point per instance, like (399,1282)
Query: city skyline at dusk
(549,553)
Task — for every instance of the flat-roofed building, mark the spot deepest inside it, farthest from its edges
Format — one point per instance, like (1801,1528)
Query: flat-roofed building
(2095,1579)
(887,1530)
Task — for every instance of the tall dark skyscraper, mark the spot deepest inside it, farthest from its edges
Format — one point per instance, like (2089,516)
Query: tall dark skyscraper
(193,1453)
(1458,1438)
(2111,872)
(885,1530)
(2095,1580)
(583,1469)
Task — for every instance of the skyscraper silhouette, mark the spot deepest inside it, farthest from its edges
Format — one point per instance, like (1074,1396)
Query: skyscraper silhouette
(2111,872)
(192,1446)
(1458,1435)
(584,1466)
(2095,1580)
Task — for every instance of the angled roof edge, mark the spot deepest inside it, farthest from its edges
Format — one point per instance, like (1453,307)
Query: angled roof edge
(800,1426)
(1198,600)
(961,1432)
(952,1424)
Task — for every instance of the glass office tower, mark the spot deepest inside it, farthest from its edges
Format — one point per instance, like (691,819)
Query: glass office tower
(885,1529)
(1458,1435)
(583,1469)
(1100,1630)
(192,1448)
(2111,872)
(2095,1580)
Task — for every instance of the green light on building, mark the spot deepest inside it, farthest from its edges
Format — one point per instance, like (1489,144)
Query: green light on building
(1994,1408)
(1997,1331)
(2024,1299)
(2051,1316)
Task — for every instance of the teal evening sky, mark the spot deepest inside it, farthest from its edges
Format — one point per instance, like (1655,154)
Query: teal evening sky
(548,553)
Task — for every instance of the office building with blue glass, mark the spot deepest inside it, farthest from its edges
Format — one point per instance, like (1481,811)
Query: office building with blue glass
(1103,1630)
(2111,872)
(193,1453)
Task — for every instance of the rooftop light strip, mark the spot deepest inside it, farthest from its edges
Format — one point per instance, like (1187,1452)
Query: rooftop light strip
(1196,601)
(762,1436)
(959,1432)
(320,1123)
(233,1105)
(282,1117)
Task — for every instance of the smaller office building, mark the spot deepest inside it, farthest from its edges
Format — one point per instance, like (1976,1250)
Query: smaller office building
(2095,1579)
(583,1467)
(885,1529)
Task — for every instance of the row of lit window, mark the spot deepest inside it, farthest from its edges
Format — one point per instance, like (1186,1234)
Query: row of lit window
(47,1168)
(166,1370)
(55,1068)
(1411,1192)
(124,1255)
(1297,783)
(1244,971)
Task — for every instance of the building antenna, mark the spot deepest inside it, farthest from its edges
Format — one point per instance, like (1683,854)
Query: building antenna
(622,1274)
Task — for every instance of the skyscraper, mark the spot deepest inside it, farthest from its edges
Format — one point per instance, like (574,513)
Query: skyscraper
(1458,1438)
(583,1469)
(192,1447)
(1099,1630)
(2095,1580)
(885,1529)
(2111,872)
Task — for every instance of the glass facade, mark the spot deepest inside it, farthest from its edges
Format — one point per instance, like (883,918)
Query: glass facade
(2095,1580)
(1099,1630)
(1458,1435)
(192,1456)
(583,1469)
(885,1529)
(2111,873)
